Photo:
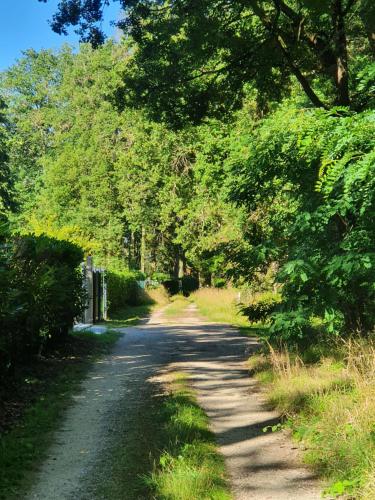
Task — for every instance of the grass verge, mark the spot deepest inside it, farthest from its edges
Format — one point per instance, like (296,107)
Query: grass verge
(221,306)
(132,315)
(177,306)
(167,451)
(330,407)
(44,391)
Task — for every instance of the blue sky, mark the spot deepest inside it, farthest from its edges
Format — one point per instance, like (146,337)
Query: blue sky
(24,25)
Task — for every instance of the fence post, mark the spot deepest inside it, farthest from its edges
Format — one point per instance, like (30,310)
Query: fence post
(89,312)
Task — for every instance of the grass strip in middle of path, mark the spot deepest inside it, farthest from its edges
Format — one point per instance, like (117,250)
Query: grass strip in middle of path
(166,450)
(189,465)
(177,306)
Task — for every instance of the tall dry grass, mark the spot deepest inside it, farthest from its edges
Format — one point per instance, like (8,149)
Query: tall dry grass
(158,296)
(331,409)
(220,305)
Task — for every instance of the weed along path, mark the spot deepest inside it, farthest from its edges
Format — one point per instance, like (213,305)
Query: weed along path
(260,465)
(105,441)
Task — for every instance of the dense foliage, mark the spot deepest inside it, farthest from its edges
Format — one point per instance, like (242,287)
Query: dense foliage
(307,179)
(41,295)
(194,58)
(232,141)
(122,289)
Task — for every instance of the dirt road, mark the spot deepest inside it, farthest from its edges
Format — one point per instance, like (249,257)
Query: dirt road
(260,465)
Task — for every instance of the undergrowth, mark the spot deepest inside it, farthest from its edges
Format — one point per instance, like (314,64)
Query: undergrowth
(329,406)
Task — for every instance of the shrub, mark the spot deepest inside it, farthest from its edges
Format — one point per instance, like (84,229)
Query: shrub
(172,286)
(260,306)
(293,327)
(160,277)
(189,285)
(219,282)
(42,294)
(138,275)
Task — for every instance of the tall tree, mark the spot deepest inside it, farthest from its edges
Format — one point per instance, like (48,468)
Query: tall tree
(195,57)
(7,202)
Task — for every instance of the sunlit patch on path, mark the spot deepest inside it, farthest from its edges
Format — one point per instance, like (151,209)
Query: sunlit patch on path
(261,466)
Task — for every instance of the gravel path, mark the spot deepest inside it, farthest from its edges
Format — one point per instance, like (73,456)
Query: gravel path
(261,466)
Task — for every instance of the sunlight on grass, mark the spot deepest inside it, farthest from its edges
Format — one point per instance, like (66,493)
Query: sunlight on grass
(330,407)
(220,305)
(190,467)
(178,304)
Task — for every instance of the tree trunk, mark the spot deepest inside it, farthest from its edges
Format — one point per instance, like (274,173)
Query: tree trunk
(143,249)
(130,250)
(341,52)
(176,263)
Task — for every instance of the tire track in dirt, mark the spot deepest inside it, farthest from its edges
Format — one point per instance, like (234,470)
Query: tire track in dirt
(260,466)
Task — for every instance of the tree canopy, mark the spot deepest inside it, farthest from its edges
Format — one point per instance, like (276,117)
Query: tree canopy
(230,141)
(190,58)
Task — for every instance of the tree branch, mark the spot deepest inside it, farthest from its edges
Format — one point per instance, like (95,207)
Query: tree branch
(288,57)
(300,77)
(288,11)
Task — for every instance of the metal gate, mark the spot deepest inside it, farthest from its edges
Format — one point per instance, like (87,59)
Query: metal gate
(95,284)
(99,298)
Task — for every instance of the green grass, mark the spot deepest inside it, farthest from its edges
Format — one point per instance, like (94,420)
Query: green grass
(167,451)
(52,383)
(189,468)
(129,316)
(220,305)
(329,405)
(178,304)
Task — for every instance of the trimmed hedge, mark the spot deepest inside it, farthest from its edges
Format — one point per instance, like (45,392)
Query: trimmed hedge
(41,294)
(122,289)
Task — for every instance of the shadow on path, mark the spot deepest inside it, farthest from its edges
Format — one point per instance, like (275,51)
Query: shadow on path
(261,466)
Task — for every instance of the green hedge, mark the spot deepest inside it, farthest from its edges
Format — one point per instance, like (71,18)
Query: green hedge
(41,293)
(122,289)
